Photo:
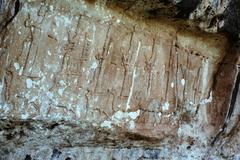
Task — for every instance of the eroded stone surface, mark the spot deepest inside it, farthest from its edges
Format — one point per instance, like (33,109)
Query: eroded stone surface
(96,67)
(218,16)
(90,65)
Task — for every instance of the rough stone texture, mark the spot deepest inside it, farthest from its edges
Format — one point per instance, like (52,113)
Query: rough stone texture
(92,79)
(73,65)
(218,16)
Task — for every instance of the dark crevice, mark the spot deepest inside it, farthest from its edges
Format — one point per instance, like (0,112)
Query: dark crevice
(234,95)
(157,8)
(55,154)
(1,4)
(231,18)
(186,7)
(52,126)
(138,137)
(28,157)
(17,6)
(216,138)
(231,108)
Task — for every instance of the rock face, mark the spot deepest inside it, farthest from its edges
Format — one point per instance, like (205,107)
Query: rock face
(89,76)
(218,15)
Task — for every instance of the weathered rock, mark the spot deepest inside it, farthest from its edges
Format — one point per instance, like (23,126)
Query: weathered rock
(112,79)
(218,16)
(77,66)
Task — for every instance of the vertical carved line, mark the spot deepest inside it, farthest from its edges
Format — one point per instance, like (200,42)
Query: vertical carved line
(29,50)
(125,64)
(133,77)
(101,57)
(34,59)
(150,70)
(185,77)
(196,84)
(176,76)
(168,70)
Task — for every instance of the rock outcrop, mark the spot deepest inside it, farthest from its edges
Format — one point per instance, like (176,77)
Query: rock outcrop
(101,80)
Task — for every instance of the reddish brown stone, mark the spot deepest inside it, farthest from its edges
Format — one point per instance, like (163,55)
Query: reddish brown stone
(148,76)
